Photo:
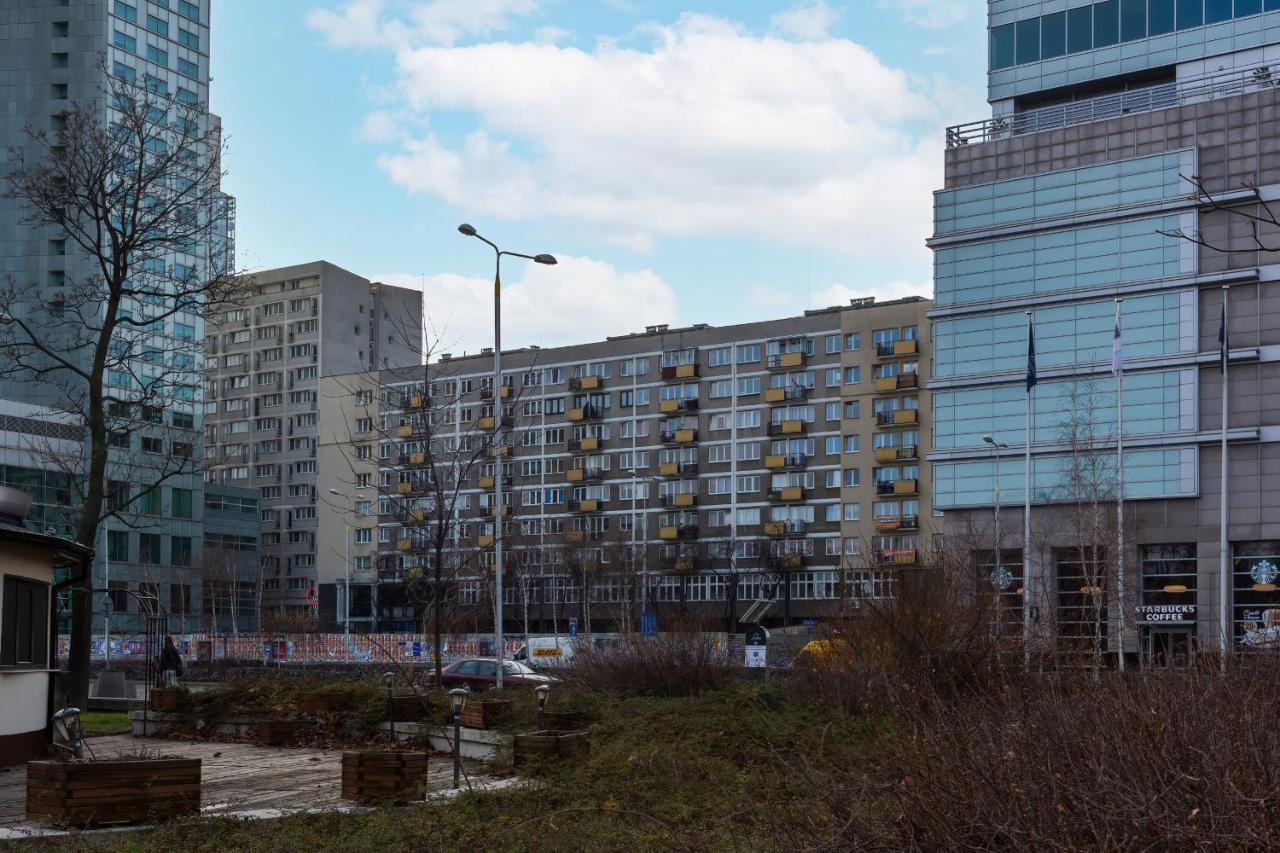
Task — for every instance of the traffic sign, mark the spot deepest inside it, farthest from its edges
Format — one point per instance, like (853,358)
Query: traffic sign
(757,657)
(649,623)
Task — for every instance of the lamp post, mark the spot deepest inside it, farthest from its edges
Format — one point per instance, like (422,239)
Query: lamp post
(457,701)
(346,585)
(387,678)
(997,574)
(468,231)
(543,691)
(67,724)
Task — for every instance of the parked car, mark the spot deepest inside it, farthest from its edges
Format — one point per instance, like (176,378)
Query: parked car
(481,673)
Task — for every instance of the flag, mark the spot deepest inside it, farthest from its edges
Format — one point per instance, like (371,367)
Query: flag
(1224,344)
(1117,355)
(1031,357)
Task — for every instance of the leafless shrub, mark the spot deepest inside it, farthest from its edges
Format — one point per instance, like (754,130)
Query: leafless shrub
(686,661)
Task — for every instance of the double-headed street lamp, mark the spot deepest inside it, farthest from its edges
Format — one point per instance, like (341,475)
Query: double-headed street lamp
(998,578)
(499,514)
(346,588)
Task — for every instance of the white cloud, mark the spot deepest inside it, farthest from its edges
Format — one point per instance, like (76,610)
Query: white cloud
(369,23)
(550,35)
(541,305)
(710,130)
(931,14)
(379,126)
(812,19)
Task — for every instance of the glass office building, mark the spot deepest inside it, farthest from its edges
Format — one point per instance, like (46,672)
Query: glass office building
(1129,143)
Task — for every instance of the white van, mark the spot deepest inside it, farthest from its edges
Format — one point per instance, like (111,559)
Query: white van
(546,651)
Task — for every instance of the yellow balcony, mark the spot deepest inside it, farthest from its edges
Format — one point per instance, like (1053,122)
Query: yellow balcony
(790,427)
(486,540)
(684,500)
(669,406)
(415,572)
(906,416)
(684,436)
(404,431)
(906,347)
(575,537)
(415,402)
(575,414)
(775,395)
(669,469)
(417,516)
(906,487)
(886,454)
(775,528)
(683,564)
(585,383)
(497,511)
(904,556)
(791,359)
(404,488)
(886,383)
(488,422)
(417,458)
(589,505)
(591,442)
(504,392)
(403,544)
(575,475)
(686,371)
(888,522)
(486,482)
(792,561)
(777,460)
(792,493)
(668,532)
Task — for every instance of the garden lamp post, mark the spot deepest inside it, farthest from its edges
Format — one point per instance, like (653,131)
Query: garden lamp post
(543,691)
(67,725)
(469,231)
(457,701)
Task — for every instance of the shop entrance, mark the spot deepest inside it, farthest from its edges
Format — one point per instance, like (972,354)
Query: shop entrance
(1168,646)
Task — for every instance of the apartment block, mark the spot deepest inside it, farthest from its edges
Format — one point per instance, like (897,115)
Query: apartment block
(1128,145)
(264,361)
(725,474)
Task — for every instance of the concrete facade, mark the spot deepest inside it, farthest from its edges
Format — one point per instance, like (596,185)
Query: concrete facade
(725,474)
(263,400)
(1058,223)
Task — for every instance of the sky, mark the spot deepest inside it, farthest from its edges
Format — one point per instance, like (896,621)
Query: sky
(686,162)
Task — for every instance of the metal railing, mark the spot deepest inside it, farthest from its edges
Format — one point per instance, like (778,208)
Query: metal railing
(1206,87)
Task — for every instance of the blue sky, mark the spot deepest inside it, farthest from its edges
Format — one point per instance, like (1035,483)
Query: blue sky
(688,161)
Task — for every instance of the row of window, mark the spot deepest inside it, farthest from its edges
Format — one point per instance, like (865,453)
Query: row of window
(1107,23)
(150,548)
(129,12)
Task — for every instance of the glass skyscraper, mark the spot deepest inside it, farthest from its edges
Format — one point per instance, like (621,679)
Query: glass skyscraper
(1130,143)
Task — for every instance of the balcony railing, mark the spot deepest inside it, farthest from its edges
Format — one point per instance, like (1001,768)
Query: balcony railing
(675,469)
(685,499)
(898,348)
(678,532)
(897,556)
(689,404)
(791,392)
(1205,87)
(585,383)
(793,427)
(785,528)
(898,417)
(785,460)
(787,493)
(785,360)
(684,435)
(679,371)
(589,442)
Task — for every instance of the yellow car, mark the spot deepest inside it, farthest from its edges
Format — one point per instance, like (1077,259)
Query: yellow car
(824,651)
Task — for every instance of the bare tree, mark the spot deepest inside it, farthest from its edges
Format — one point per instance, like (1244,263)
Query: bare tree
(130,181)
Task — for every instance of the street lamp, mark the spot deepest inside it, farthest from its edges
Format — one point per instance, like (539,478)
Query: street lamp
(457,701)
(346,587)
(387,679)
(66,723)
(469,231)
(543,691)
(998,579)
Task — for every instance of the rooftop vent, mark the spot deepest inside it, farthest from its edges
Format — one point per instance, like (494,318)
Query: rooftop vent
(445,356)
(655,330)
(862,301)
(486,350)
(14,504)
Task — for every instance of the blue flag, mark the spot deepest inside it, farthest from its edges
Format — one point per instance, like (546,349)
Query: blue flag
(1031,357)
(1224,344)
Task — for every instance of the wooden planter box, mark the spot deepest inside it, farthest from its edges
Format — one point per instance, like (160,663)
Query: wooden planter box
(282,732)
(316,704)
(371,776)
(486,714)
(564,721)
(549,745)
(97,793)
(164,698)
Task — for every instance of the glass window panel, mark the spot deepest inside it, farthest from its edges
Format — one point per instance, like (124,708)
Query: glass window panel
(1248,7)
(1133,20)
(1053,35)
(1106,23)
(1190,14)
(1217,10)
(1002,46)
(1160,18)
(1079,29)
(1028,40)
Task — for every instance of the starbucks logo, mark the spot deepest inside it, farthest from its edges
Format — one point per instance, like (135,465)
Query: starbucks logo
(1264,572)
(1001,578)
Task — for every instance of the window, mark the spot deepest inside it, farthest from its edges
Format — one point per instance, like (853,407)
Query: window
(1106,23)
(749,386)
(364,535)
(118,546)
(832,344)
(852,375)
(124,10)
(187,39)
(719,357)
(188,97)
(124,72)
(853,342)
(851,512)
(25,639)
(180,550)
(188,68)
(158,25)
(188,10)
(748,353)
(125,42)
(721,388)
(181,499)
(149,548)
(831,377)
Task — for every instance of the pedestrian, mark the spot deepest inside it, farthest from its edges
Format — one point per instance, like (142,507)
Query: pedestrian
(170,663)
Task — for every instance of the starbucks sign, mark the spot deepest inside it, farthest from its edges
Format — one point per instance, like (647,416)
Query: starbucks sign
(1263,572)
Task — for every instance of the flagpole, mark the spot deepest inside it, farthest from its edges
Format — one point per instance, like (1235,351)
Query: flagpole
(1026,503)
(1118,367)
(1224,575)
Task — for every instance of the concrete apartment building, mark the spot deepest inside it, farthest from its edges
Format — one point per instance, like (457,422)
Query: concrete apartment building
(264,361)
(51,57)
(753,473)
(1070,196)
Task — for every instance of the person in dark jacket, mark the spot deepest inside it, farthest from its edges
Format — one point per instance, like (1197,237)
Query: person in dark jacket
(170,663)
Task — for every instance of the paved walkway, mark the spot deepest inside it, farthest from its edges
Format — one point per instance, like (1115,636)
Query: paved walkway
(236,778)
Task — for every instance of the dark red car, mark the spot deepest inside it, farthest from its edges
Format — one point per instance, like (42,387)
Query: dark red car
(481,674)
